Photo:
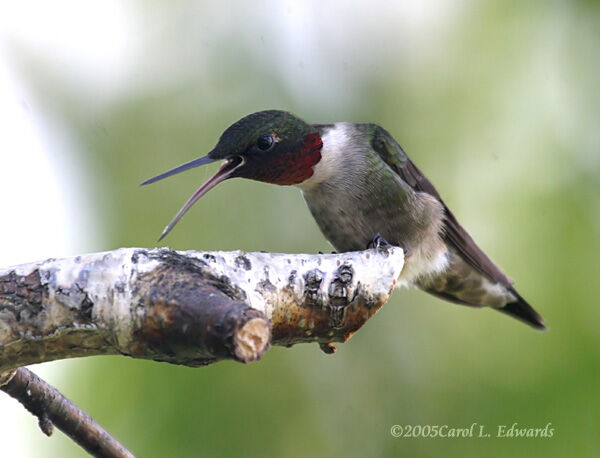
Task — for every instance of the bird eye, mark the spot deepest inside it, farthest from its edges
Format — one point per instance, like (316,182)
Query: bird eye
(265,142)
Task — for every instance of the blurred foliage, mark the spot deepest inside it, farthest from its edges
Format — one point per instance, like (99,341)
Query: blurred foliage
(496,101)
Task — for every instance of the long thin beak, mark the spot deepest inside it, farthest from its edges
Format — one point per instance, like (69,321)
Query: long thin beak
(188,165)
(222,174)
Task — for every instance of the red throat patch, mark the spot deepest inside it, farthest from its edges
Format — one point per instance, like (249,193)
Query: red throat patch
(298,167)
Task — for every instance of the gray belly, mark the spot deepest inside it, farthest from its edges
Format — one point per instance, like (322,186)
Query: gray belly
(350,216)
(350,224)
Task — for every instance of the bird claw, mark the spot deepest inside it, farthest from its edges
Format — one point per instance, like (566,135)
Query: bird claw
(378,242)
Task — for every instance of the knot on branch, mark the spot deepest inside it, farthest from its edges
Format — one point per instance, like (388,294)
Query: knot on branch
(338,294)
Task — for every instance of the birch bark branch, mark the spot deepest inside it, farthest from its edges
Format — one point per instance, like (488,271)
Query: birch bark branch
(190,308)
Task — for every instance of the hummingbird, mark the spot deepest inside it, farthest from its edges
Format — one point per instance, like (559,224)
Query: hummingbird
(360,186)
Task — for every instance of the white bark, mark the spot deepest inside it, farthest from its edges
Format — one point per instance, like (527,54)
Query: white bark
(102,302)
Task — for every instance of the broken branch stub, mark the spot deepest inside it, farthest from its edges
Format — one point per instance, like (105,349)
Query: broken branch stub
(190,308)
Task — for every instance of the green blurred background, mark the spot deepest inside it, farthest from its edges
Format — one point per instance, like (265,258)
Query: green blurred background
(498,102)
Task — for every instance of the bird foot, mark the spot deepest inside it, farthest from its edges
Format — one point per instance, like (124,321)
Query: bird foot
(378,242)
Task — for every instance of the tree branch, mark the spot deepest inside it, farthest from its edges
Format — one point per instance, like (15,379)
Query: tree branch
(190,308)
(51,407)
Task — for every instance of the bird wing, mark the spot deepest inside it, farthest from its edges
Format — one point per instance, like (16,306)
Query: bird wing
(394,156)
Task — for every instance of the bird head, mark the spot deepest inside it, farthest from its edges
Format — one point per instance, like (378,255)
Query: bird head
(271,146)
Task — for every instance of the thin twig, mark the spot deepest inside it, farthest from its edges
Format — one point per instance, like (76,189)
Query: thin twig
(52,408)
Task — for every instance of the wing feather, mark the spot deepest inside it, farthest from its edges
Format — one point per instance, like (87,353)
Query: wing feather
(455,235)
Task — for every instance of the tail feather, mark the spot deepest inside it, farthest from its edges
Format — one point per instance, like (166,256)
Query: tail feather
(521,310)
(461,283)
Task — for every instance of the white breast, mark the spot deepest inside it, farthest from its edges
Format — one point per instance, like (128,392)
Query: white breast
(341,155)
(336,142)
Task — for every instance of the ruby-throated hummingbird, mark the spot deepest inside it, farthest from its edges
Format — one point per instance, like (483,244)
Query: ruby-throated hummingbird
(359,182)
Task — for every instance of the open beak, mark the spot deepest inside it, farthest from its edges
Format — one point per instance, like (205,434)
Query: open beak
(182,168)
(222,174)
